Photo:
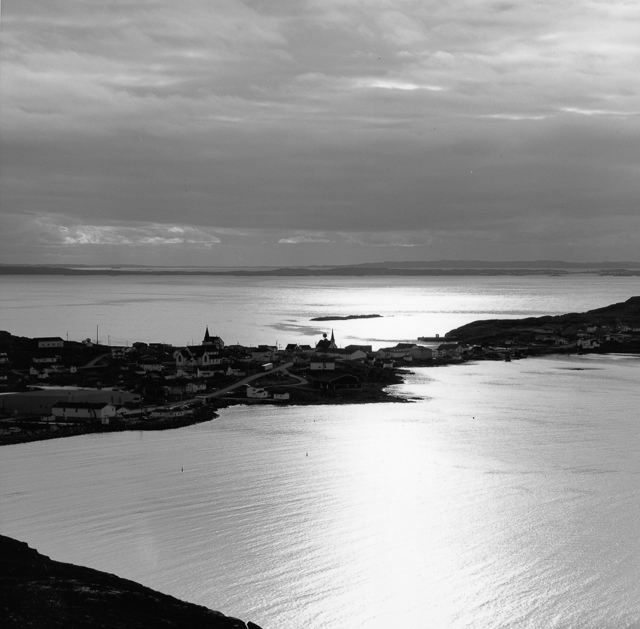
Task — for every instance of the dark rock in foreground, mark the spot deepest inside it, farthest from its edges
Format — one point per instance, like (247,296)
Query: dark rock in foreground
(37,592)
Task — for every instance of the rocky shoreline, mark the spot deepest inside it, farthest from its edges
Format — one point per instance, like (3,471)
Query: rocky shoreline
(37,592)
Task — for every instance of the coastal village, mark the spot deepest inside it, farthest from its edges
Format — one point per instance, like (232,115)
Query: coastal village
(52,387)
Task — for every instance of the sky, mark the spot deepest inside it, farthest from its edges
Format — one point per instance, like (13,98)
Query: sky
(291,132)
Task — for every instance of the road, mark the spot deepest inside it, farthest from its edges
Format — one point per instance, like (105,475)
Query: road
(95,361)
(244,381)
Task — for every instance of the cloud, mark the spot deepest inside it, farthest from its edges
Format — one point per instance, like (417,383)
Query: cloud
(391,84)
(515,117)
(296,240)
(52,231)
(598,112)
(333,123)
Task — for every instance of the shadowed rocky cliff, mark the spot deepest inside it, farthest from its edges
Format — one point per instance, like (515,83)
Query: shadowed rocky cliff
(37,592)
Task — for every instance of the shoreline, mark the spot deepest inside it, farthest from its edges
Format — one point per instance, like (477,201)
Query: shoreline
(375,393)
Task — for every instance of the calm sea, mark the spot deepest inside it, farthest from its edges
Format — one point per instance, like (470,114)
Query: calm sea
(279,310)
(507,495)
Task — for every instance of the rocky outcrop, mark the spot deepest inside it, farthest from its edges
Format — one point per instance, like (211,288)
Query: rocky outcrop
(37,592)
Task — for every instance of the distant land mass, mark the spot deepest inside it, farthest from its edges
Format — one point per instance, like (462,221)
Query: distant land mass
(369,269)
(626,313)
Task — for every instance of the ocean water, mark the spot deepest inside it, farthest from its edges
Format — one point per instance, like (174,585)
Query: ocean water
(505,496)
(279,310)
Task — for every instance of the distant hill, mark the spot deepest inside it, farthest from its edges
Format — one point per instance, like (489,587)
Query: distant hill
(39,593)
(624,313)
(417,268)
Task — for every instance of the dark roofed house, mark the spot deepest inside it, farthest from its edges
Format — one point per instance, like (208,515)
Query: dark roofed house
(364,348)
(334,380)
(450,349)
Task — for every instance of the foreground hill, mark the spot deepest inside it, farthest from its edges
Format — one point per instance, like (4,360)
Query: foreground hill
(37,592)
(617,317)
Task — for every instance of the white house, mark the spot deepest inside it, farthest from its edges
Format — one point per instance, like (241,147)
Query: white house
(83,411)
(207,373)
(231,371)
(194,387)
(48,360)
(280,396)
(129,411)
(322,363)
(256,392)
(262,353)
(450,349)
(168,413)
(399,351)
(152,367)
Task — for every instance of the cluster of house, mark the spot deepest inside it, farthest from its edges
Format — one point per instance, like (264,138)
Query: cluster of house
(45,361)
(173,375)
(571,337)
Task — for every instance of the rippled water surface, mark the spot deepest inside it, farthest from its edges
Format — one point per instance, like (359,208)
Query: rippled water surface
(269,310)
(507,496)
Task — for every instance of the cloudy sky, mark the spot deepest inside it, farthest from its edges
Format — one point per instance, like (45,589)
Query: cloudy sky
(319,131)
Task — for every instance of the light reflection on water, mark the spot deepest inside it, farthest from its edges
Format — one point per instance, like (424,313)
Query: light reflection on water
(269,310)
(508,499)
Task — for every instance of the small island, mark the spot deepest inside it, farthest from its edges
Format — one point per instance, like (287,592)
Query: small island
(337,318)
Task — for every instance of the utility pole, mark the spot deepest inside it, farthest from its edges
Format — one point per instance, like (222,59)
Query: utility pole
(97,343)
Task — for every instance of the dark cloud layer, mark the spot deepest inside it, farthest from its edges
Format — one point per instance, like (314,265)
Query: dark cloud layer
(320,131)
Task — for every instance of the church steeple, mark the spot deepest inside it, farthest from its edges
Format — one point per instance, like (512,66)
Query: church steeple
(207,338)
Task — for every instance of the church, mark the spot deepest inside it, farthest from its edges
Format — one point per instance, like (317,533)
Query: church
(214,342)
(324,343)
